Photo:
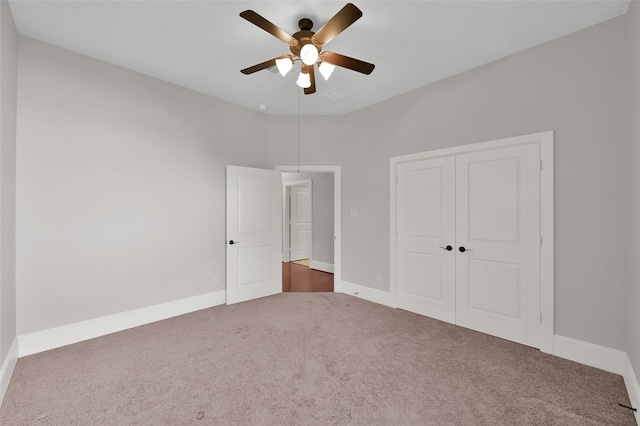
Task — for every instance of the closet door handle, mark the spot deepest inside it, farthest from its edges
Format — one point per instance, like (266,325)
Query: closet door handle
(233,242)
(447,248)
(462,249)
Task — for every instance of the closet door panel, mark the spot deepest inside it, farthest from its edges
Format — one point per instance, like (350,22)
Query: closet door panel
(426,224)
(498,243)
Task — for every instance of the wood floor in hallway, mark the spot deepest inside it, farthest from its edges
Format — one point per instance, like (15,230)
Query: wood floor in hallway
(302,278)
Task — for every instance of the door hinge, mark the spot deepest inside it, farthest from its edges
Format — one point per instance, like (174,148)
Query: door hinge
(540,165)
(540,317)
(540,241)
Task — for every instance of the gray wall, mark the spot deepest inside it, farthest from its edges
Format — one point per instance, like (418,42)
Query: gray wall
(576,86)
(8,93)
(633,297)
(322,205)
(121,177)
(121,187)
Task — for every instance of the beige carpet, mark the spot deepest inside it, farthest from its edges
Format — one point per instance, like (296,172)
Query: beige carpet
(307,359)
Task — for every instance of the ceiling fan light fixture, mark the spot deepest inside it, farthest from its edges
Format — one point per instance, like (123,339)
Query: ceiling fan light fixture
(306,46)
(284,65)
(326,69)
(309,54)
(304,80)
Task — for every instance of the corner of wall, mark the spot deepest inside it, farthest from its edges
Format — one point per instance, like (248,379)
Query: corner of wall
(8,112)
(607,359)
(367,293)
(6,371)
(632,314)
(633,388)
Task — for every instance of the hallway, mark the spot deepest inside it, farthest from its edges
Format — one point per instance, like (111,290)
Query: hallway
(300,278)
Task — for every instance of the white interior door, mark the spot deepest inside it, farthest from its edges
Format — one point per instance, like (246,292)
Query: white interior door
(498,227)
(426,235)
(300,222)
(254,233)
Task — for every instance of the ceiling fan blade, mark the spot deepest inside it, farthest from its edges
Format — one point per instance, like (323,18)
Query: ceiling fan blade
(258,67)
(269,27)
(312,76)
(340,21)
(347,62)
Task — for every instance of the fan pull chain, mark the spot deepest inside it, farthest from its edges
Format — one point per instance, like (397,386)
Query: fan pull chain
(298,92)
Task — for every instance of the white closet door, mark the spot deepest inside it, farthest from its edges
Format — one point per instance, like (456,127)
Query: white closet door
(426,226)
(498,227)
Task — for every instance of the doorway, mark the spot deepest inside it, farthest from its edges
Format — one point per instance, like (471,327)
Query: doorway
(311,228)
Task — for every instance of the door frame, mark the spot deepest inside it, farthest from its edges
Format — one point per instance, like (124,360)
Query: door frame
(286,216)
(338,286)
(545,140)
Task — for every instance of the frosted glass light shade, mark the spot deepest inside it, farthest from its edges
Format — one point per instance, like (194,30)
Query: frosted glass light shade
(309,54)
(304,80)
(284,65)
(326,69)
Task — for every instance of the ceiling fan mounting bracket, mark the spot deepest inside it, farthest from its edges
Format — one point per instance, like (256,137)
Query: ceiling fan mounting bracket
(305,24)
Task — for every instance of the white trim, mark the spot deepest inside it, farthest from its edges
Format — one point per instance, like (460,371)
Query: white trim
(8,366)
(321,266)
(56,337)
(393,229)
(366,293)
(547,232)
(306,183)
(611,360)
(633,388)
(337,209)
(545,141)
(475,147)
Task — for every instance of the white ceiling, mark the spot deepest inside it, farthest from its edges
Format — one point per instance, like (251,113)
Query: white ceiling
(203,45)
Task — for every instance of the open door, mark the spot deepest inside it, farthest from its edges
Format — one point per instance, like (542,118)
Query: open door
(254,233)
(300,223)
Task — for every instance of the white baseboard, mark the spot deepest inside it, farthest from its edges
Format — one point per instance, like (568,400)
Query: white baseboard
(6,371)
(597,356)
(366,293)
(67,334)
(633,388)
(321,266)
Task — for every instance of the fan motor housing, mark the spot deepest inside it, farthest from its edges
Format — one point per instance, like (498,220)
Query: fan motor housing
(303,37)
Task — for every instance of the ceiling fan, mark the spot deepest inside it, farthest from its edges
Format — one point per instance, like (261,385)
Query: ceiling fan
(306,46)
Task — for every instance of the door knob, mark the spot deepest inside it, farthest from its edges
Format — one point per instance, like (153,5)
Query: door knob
(233,242)
(462,249)
(447,248)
